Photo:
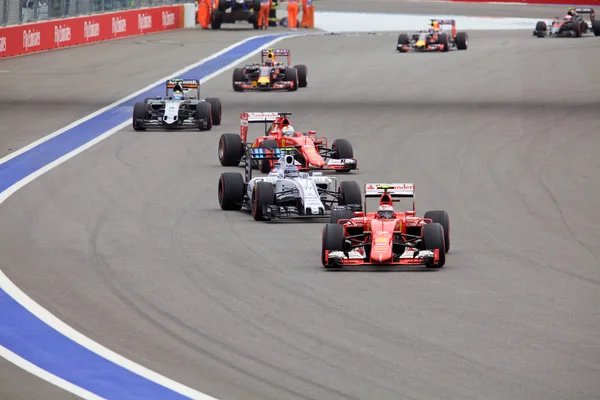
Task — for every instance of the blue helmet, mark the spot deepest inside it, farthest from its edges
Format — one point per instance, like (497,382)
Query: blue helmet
(177,95)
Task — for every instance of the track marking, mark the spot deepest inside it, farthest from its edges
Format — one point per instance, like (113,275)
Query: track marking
(44,315)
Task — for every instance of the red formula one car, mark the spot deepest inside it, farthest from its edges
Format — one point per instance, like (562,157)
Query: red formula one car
(312,150)
(433,38)
(386,237)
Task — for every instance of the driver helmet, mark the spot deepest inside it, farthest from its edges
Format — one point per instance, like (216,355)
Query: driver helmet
(177,95)
(386,212)
(269,63)
(568,16)
(572,11)
(288,130)
(291,171)
(435,26)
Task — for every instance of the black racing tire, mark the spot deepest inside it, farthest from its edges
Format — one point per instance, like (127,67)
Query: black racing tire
(263,195)
(238,76)
(402,40)
(337,215)
(302,75)
(541,26)
(291,74)
(462,41)
(576,26)
(265,165)
(443,39)
(349,193)
(596,28)
(332,240)
(433,238)
(204,113)
(139,112)
(216,109)
(217,18)
(230,150)
(231,191)
(342,148)
(442,218)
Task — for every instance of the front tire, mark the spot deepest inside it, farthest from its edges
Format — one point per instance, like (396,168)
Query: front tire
(216,109)
(263,195)
(139,112)
(333,240)
(402,41)
(291,74)
(442,218)
(204,116)
(433,239)
(231,191)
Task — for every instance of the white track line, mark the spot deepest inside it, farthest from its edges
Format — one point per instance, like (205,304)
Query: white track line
(40,312)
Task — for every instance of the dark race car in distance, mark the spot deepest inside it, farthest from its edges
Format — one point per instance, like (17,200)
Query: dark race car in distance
(434,38)
(571,25)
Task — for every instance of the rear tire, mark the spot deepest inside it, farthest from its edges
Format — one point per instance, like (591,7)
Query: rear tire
(302,75)
(442,218)
(265,165)
(596,28)
(337,215)
(216,109)
(349,193)
(204,116)
(230,150)
(231,191)
(333,240)
(263,195)
(139,112)
(433,238)
(291,74)
(462,41)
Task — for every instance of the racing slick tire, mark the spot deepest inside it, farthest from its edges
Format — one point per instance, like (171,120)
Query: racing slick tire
(576,28)
(139,112)
(230,150)
(231,191)
(337,215)
(443,39)
(333,240)
(204,116)
(216,109)
(265,165)
(216,18)
(433,238)
(263,195)
(302,75)
(540,29)
(596,28)
(442,218)
(291,74)
(238,76)
(402,40)
(349,193)
(462,41)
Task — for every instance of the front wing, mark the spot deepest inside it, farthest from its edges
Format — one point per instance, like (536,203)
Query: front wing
(336,164)
(429,47)
(189,123)
(409,257)
(279,85)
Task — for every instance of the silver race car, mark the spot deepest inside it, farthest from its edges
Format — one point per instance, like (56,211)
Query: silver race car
(285,192)
(177,110)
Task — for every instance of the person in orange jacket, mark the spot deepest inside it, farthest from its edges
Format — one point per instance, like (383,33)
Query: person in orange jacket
(263,15)
(204,10)
(293,14)
(310,9)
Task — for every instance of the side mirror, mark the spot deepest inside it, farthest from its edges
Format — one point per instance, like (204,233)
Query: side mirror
(312,132)
(359,213)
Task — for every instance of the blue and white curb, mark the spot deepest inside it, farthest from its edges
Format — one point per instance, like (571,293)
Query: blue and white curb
(30,336)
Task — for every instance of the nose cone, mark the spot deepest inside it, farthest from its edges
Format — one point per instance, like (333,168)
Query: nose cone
(381,251)
(311,154)
(420,43)
(263,80)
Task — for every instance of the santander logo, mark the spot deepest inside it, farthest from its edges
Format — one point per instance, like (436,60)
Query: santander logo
(31,38)
(91,29)
(168,18)
(2,44)
(62,34)
(144,21)
(119,25)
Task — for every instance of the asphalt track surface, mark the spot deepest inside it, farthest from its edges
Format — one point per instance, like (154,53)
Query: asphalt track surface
(126,243)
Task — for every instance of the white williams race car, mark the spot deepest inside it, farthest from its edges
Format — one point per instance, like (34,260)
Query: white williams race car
(285,192)
(178,110)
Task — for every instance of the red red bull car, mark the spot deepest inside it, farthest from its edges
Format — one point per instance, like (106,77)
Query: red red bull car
(387,236)
(433,38)
(312,151)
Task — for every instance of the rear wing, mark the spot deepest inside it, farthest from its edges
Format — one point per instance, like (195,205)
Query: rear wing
(272,54)
(587,11)
(247,118)
(395,191)
(183,84)
(260,153)
(450,22)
